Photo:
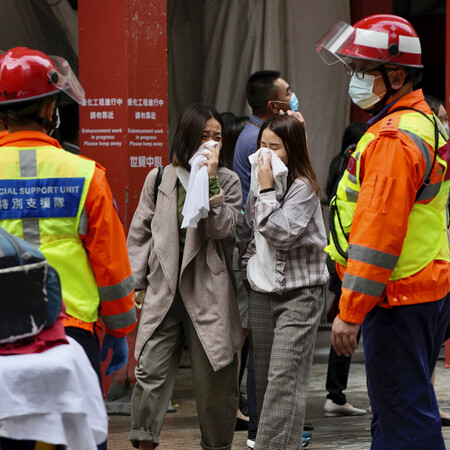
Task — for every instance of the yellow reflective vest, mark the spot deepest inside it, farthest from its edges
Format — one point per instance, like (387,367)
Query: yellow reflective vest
(42,196)
(426,238)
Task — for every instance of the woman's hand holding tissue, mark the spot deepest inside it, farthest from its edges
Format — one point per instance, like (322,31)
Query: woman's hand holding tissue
(265,172)
(212,159)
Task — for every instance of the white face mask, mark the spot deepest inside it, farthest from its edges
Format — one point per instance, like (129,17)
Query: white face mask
(445,125)
(361,91)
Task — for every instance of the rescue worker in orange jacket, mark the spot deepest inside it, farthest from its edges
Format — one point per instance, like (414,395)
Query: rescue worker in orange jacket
(389,231)
(62,204)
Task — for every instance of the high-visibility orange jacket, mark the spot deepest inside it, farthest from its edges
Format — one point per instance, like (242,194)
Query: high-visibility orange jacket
(104,243)
(392,171)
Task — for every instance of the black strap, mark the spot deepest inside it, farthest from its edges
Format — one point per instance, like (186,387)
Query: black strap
(332,211)
(158,180)
(333,204)
(436,143)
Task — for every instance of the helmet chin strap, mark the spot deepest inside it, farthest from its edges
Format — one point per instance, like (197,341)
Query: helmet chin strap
(389,91)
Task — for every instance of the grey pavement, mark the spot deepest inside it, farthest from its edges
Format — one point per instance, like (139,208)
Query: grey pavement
(181,431)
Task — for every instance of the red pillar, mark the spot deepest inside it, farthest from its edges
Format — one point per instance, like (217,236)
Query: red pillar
(123,69)
(124,119)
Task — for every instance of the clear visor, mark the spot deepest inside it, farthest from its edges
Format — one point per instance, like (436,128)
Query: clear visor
(332,41)
(66,80)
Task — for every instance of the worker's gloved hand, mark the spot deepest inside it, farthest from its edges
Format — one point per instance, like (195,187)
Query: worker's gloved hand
(119,347)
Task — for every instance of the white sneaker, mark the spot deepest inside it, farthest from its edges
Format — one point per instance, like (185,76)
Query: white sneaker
(251,443)
(333,409)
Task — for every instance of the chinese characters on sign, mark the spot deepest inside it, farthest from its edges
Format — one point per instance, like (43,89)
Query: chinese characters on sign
(143,109)
(40,197)
(145,161)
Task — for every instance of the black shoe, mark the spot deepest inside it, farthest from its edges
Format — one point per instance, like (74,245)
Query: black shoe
(308,426)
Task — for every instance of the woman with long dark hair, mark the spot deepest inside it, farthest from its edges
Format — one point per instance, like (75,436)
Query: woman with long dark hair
(285,267)
(186,272)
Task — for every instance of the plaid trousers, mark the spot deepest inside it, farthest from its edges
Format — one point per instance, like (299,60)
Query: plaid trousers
(283,330)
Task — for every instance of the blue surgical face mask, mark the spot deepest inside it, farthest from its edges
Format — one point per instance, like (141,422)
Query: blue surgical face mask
(293,102)
(361,91)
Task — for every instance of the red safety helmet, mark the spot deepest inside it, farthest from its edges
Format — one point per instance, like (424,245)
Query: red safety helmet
(29,75)
(381,38)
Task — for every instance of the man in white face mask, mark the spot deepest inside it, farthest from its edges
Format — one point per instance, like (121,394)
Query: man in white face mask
(389,233)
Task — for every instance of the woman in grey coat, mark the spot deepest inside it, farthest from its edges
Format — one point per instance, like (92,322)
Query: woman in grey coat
(187,276)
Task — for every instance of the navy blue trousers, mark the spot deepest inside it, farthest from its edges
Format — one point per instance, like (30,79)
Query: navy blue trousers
(401,348)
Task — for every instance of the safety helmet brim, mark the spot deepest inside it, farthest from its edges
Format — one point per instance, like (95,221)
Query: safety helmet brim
(369,40)
(28,75)
(67,80)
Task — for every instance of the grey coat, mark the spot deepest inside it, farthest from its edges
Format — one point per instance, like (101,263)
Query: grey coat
(205,275)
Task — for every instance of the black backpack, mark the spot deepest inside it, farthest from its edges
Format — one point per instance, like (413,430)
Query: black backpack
(30,294)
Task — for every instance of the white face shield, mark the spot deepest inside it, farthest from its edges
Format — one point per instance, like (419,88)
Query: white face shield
(370,46)
(65,80)
(332,41)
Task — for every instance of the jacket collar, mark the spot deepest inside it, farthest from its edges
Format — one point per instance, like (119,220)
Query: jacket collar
(28,139)
(414,99)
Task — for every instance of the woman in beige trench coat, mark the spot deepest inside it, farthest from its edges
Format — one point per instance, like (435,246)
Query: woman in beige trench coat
(190,297)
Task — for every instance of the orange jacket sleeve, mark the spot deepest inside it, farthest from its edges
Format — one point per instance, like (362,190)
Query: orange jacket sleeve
(105,243)
(392,169)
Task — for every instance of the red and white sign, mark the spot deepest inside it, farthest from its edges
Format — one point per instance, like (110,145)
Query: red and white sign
(123,69)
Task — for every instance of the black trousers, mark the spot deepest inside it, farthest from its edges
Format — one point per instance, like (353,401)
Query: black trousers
(337,375)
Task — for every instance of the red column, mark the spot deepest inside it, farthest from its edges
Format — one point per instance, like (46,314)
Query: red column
(363,8)
(123,121)
(123,69)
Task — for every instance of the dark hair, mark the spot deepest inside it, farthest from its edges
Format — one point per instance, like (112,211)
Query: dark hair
(227,118)
(352,134)
(434,103)
(292,132)
(260,89)
(415,75)
(188,135)
(231,131)
(27,112)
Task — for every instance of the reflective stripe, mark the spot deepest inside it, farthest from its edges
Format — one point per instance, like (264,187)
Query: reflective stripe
(28,166)
(117,291)
(82,226)
(363,285)
(429,192)
(372,256)
(120,320)
(422,146)
(31,232)
(352,195)
(352,178)
(441,128)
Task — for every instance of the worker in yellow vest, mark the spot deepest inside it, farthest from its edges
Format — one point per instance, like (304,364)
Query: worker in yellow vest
(389,231)
(62,204)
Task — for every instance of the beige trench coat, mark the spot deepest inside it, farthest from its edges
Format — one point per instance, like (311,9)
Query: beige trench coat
(205,278)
